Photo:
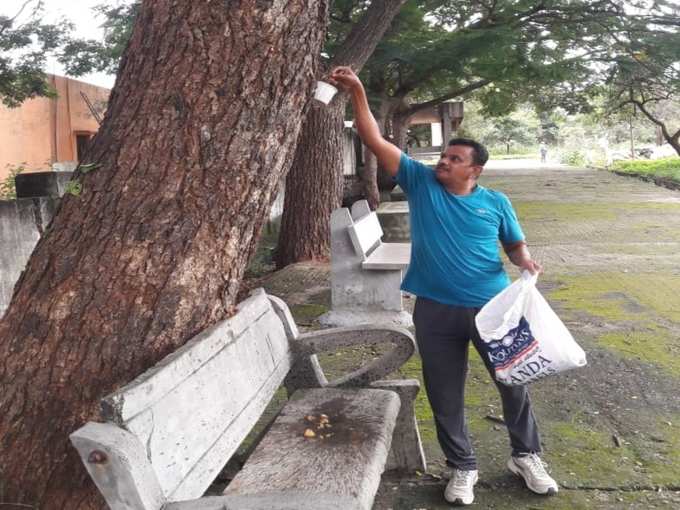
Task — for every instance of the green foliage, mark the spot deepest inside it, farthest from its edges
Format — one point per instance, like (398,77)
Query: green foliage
(668,168)
(73,187)
(8,188)
(25,44)
(88,167)
(573,157)
(508,131)
(84,56)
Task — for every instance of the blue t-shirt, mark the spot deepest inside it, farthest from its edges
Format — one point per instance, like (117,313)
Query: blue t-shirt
(455,257)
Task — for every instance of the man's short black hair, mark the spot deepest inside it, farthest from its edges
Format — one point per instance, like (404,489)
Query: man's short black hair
(479,153)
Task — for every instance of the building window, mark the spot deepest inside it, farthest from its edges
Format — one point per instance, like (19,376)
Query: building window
(82,143)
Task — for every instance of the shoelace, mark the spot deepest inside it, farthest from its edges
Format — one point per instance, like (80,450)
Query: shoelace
(462,478)
(536,465)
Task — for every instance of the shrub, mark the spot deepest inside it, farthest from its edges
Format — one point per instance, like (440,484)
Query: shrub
(573,158)
(664,167)
(8,189)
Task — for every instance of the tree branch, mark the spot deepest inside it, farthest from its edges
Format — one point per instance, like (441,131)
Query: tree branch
(450,95)
(11,20)
(359,44)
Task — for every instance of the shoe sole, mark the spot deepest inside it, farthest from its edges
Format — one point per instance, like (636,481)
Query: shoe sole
(550,491)
(460,502)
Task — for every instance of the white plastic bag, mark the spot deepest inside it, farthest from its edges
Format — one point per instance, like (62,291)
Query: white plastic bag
(523,338)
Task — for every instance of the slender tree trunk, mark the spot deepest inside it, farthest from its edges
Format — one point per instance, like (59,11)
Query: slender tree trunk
(369,176)
(316,193)
(207,107)
(305,229)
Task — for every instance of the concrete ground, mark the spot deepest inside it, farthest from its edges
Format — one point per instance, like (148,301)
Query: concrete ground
(610,246)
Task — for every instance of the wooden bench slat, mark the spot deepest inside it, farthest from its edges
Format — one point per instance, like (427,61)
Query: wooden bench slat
(345,467)
(389,256)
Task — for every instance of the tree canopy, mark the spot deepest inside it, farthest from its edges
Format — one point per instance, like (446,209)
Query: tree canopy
(25,43)
(558,53)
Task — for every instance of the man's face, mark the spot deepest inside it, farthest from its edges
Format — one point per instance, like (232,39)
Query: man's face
(456,166)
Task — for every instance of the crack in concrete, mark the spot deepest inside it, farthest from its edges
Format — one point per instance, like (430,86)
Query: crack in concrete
(37,216)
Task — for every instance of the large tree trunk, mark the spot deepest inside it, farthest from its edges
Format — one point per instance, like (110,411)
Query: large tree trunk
(207,107)
(305,229)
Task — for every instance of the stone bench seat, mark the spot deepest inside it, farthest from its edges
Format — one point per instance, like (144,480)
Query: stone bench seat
(168,433)
(313,473)
(388,256)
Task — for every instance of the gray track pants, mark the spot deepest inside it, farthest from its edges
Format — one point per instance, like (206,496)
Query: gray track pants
(443,333)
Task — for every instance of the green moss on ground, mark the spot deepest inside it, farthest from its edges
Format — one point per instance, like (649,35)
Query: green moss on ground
(566,212)
(653,346)
(641,308)
(635,297)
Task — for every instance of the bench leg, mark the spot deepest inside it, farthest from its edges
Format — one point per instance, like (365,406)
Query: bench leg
(407,452)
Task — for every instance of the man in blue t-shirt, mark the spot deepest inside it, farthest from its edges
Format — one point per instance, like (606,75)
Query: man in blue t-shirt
(455,269)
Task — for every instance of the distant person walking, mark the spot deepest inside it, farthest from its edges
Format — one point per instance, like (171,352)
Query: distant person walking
(543,149)
(455,269)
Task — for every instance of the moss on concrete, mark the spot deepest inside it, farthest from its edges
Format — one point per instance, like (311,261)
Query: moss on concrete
(529,211)
(305,314)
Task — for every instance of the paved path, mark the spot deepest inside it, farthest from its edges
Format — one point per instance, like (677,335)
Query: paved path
(611,430)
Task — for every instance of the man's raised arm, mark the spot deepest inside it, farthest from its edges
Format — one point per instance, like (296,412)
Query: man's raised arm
(388,154)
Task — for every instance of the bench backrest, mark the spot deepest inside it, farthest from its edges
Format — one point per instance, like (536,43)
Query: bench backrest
(366,234)
(193,409)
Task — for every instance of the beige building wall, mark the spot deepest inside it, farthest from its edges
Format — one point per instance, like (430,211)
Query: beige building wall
(43,131)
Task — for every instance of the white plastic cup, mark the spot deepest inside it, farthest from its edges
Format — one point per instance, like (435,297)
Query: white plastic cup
(324,92)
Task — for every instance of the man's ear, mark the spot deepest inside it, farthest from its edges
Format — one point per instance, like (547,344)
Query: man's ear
(477,171)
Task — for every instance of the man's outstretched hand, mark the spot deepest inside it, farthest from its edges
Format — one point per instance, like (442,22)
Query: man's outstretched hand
(344,78)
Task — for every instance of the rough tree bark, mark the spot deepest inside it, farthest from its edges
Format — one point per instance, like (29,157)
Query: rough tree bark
(207,107)
(317,167)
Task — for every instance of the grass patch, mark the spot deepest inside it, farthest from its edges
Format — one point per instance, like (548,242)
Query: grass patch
(666,168)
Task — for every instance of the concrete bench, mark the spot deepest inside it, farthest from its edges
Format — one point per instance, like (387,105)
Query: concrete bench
(365,272)
(169,433)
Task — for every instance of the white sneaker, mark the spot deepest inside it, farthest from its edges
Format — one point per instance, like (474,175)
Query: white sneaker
(531,468)
(460,489)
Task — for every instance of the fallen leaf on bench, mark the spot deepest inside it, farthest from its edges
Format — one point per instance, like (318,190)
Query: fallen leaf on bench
(309,417)
(309,433)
